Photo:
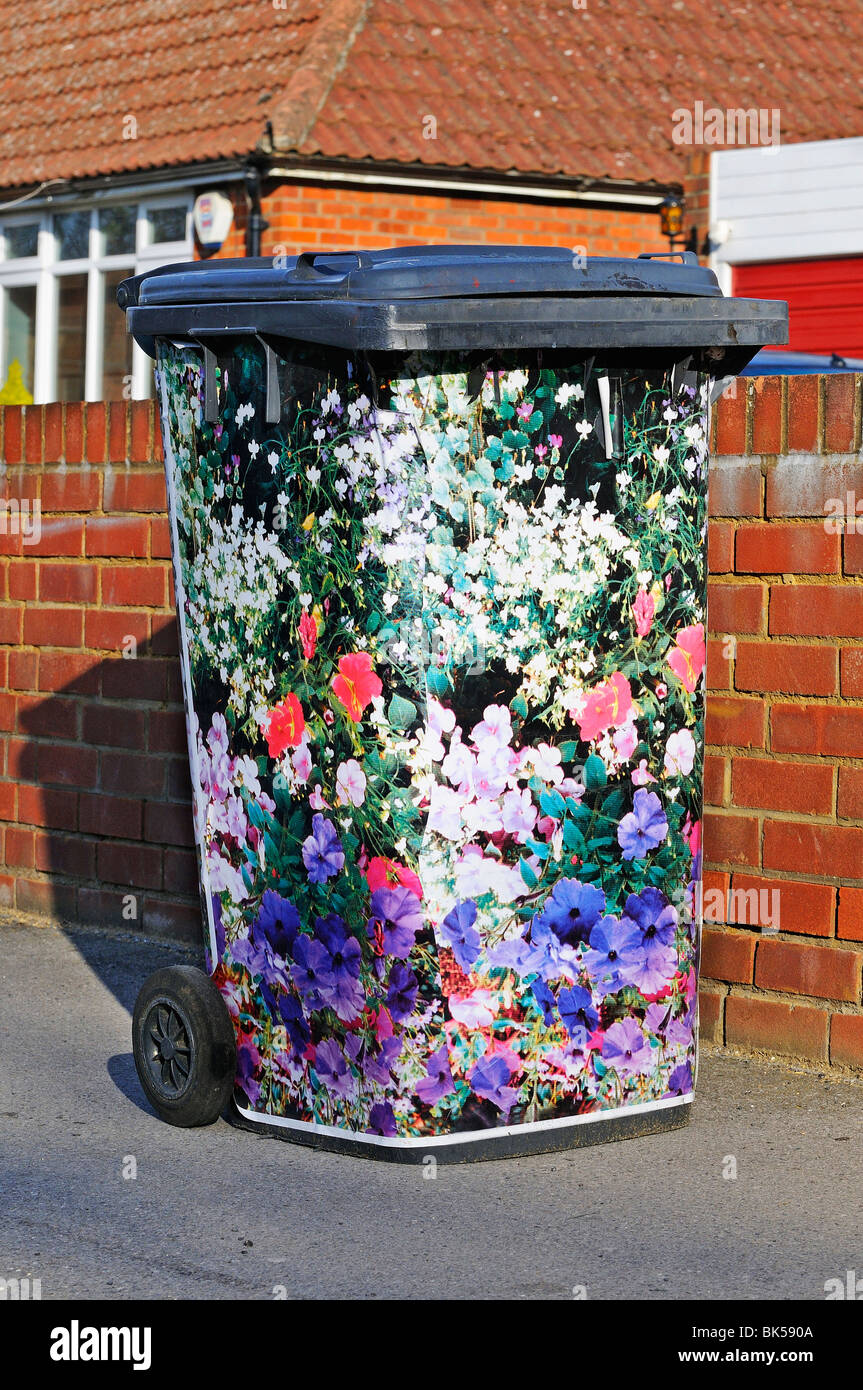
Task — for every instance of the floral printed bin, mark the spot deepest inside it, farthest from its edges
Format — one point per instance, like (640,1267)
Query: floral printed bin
(442,615)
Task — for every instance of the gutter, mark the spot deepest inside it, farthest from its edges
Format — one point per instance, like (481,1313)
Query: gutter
(580,192)
(585,192)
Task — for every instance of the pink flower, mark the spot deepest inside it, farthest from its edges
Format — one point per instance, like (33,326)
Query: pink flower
(496,724)
(687,657)
(301,760)
(540,451)
(473,1010)
(679,754)
(643,610)
(608,705)
(641,776)
(518,814)
(524,411)
(308,635)
(440,720)
(351,784)
(661,690)
(624,741)
(555,440)
(388,873)
(692,835)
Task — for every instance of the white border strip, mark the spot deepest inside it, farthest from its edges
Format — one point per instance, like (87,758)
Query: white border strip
(440,1140)
(188,696)
(431,185)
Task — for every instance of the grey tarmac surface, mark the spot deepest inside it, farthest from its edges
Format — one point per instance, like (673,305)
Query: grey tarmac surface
(221,1213)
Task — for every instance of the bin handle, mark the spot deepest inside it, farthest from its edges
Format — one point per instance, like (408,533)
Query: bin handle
(305,268)
(686,257)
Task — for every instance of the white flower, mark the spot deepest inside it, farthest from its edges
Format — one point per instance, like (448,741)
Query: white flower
(567,390)
(305,600)
(254,448)
(661,453)
(583,429)
(273,460)
(314,475)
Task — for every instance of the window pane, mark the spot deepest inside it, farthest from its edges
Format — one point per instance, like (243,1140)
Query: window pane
(71,336)
(168,224)
(22,240)
(117,226)
(72,230)
(116,342)
(19,342)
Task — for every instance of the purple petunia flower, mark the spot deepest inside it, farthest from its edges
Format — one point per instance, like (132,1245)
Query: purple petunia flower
(277,923)
(626,1049)
(653,914)
(516,954)
(310,970)
(613,946)
(401,992)
(644,827)
(245,952)
(333,1070)
(296,1026)
(649,970)
(545,999)
(655,964)
(382,1120)
(680,1080)
(322,852)
(248,1063)
(218,925)
(577,1013)
(378,1066)
(339,979)
(679,1032)
(459,932)
(573,909)
(488,1079)
(550,957)
(396,917)
(438,1081)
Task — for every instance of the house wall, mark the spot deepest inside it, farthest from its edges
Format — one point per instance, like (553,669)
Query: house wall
(311,217)
(95,822)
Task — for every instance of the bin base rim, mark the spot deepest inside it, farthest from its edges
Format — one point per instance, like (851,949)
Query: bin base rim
(505,1141)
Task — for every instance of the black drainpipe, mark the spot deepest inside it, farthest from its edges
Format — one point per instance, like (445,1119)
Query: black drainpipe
(256,223)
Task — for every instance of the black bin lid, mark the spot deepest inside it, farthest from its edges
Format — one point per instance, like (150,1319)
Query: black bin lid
(452,297)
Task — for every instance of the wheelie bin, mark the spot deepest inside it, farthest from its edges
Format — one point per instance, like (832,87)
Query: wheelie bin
(438,520)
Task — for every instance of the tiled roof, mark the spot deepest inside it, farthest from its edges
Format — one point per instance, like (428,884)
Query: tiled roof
(532,86)
(541,86)
(187,82)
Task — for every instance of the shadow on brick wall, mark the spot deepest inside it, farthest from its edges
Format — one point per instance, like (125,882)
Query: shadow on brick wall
(102,831)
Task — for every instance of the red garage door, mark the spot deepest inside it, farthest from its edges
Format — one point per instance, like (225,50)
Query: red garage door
(825,300)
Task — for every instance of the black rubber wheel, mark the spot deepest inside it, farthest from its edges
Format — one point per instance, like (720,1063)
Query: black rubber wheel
(184,1046)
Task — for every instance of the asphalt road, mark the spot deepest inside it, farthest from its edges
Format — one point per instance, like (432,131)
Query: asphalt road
(221,1213)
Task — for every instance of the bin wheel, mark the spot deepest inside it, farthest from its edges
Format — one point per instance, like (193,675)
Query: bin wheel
(184,1046)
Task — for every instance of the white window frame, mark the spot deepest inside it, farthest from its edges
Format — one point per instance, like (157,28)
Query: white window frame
(45,270)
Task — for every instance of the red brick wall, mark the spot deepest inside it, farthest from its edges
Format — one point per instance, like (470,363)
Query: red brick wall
(323,216)
(784,766)
(94,795)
